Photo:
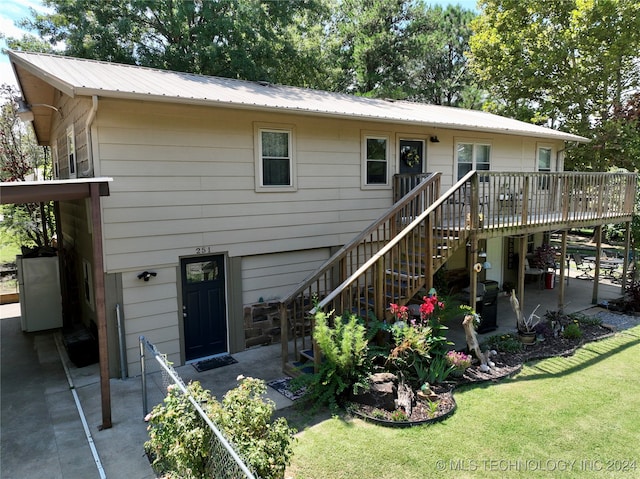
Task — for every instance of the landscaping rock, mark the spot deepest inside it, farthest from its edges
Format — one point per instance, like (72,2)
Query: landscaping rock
(382,393)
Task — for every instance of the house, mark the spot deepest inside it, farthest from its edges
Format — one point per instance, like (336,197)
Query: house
(226,195)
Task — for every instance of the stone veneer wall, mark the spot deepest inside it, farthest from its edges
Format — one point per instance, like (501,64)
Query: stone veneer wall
(261,324)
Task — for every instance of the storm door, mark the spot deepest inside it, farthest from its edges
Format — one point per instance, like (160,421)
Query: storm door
(411,157)
(204,306)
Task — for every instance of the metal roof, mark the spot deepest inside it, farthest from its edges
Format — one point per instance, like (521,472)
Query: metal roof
(80,77)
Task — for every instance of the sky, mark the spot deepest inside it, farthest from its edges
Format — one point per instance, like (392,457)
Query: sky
(15,10)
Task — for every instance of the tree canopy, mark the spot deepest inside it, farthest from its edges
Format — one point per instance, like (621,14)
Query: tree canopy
(571,64)
(568,64)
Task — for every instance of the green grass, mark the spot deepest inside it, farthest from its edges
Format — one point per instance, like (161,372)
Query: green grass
(8,248)
(576,417)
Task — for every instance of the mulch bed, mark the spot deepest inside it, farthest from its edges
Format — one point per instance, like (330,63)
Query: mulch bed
(506,365)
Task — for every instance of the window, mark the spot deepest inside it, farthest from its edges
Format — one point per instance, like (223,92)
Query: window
(544,166)
(473,156)
(56,163)
(376,160)
(275,162)
(544,159)
(71,151)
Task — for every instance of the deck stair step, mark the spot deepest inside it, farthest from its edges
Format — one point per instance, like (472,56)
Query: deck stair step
(307,354)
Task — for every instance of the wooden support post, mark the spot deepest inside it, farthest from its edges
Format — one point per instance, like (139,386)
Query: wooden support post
(596,273)
(101,306)
(284,334)
(473,275)
(522,255)
(627,250)
(563,272)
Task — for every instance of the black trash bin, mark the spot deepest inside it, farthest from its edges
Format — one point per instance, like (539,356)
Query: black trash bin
(487,306)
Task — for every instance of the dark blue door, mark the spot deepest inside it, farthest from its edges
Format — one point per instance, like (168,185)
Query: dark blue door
(204,306)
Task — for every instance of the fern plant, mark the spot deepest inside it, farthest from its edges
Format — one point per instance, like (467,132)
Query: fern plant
(343,368)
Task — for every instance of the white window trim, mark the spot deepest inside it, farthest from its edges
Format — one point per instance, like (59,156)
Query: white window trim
(258,128)
(55,160)
(548,146)
(72,158)
(363,162)
(475,142)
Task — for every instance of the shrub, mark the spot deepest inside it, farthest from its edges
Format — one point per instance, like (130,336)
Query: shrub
(419,344)
(245,419)
(180,440)
(344,361)
(572,331)
(458,360)
(506,343)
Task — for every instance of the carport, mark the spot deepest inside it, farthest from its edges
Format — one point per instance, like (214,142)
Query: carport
(75,189)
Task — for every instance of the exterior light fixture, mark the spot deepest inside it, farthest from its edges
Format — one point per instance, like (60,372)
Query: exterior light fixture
(434,139)
(25,112)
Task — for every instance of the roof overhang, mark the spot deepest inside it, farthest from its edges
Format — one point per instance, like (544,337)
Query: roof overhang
(44,75)
(18,192)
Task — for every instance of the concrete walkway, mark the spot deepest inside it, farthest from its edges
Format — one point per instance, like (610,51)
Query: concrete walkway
(41,430)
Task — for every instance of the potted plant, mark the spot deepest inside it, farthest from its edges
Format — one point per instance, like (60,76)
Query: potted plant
(525,324)
(459,362)
(545,257)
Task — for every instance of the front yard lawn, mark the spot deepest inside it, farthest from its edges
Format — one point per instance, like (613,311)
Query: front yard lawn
(574,417)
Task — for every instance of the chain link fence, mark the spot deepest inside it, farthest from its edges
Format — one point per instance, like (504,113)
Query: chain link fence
(224,462)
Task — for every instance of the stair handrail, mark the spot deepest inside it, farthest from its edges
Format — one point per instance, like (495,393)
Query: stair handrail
(394,241)
(347,248)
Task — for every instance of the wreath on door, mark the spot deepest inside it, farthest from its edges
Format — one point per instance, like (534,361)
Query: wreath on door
(410,156)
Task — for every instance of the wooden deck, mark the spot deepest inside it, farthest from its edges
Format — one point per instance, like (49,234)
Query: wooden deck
(398,255)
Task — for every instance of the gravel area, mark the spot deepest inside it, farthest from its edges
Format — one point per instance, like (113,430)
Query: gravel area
(618,320)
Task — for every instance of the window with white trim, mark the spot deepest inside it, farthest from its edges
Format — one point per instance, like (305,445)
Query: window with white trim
(71,151)
(544,165)
(472,156)
(376,160)
(275,159)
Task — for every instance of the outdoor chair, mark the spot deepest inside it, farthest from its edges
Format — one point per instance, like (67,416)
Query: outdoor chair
(585,267)
(537,272)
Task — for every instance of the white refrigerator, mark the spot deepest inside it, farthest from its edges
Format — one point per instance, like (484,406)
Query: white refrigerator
(40,297)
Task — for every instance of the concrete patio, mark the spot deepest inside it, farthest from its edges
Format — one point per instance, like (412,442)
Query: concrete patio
(41,428)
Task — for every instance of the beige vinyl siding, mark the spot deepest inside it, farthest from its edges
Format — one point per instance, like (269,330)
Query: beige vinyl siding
(271,276)
(184,178)
(151,309)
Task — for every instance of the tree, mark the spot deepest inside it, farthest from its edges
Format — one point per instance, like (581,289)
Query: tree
(248,39)
(374,44)
(30,224)
(439,71)
(567,64)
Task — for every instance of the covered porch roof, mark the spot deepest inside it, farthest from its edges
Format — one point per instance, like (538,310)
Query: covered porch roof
(74,189)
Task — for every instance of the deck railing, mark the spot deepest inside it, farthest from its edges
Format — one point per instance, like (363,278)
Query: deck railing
(399,255)
(295,323)
(541,200)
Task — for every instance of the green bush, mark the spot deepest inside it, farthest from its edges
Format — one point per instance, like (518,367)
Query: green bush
(572,331)
(245,419)
(344,349)
(506,343)
(180,440)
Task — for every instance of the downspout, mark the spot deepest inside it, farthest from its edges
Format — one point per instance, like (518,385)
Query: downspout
(87,128)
